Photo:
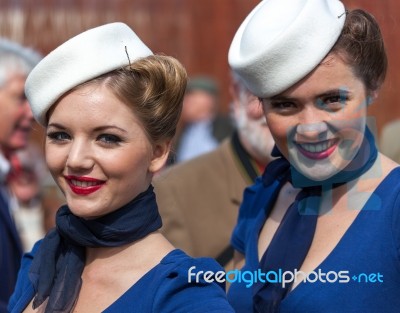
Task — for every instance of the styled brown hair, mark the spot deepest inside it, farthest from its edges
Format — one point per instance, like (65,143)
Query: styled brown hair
(153,87)
(361,46)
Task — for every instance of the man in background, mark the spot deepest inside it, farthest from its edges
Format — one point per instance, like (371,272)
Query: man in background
(201,126)
(16,121)
(199,199)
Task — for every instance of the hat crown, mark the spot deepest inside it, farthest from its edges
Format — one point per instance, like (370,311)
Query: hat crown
(281,41)
(89,54)
(278,20)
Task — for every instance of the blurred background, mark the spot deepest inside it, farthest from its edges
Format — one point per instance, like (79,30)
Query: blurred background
(196,32)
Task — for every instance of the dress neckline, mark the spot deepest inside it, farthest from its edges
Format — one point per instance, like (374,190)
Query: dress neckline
(343,241)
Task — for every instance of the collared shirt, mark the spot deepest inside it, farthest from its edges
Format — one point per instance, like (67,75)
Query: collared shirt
(5,167)
(197,139)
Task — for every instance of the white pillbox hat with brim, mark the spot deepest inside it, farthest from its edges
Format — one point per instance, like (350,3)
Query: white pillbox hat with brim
(281,41)
(86,56)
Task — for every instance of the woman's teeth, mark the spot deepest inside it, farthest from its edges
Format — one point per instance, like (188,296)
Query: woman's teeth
(317,147)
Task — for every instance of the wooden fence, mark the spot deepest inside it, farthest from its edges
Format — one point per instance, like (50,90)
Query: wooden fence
(197,32)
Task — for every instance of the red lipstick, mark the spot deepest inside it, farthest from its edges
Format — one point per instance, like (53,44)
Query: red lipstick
(82,185)
(318,155)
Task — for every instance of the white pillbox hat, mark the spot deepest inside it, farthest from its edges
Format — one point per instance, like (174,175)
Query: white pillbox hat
(88,55)
(281,41)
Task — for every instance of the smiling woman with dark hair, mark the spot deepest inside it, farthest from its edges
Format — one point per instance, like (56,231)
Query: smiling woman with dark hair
(321,224)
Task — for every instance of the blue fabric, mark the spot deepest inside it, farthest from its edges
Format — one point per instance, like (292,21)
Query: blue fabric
(370,246)
(286,252)
(164,289)
(196,139)
(56,271)
(293,238)
(10,254)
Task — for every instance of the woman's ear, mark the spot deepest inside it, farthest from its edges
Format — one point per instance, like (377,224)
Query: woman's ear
(160,156)
(372,97)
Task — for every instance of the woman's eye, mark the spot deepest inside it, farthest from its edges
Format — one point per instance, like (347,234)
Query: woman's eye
(109,139)
(332,103)
(58,136)
(283,105)
(336,99)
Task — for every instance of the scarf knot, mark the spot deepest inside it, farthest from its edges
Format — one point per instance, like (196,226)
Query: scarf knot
(58,265)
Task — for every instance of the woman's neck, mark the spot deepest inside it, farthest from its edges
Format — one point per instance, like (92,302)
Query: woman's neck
(152,245)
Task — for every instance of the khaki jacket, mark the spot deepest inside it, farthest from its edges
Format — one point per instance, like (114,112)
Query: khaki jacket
(199,201)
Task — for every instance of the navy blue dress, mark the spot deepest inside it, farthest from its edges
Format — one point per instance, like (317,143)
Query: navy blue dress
(363,269)
(165,288)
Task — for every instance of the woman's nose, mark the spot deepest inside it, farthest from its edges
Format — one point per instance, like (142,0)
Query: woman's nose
(311,124)
(311,131)
(80,156)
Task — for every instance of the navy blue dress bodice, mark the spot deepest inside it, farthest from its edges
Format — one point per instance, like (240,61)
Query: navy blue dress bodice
(165,288)
(362,273)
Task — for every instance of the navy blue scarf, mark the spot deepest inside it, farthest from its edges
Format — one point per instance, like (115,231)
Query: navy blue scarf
(58,265)
(293,238)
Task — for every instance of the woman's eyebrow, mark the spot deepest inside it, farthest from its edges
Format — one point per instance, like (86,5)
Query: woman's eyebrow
(97,129)
(331,92)
(282,98)
(335,92)
(107,127)
(56,125)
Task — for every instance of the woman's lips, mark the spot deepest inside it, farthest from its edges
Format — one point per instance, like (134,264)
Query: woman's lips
(84,185)
(317,150)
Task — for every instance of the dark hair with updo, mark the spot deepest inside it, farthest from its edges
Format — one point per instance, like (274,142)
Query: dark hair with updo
(153,87)
(361,45)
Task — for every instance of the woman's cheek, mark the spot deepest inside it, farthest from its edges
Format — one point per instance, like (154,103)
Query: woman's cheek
(280,133)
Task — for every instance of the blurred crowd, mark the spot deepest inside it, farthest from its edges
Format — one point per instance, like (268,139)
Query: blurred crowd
(28,195)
